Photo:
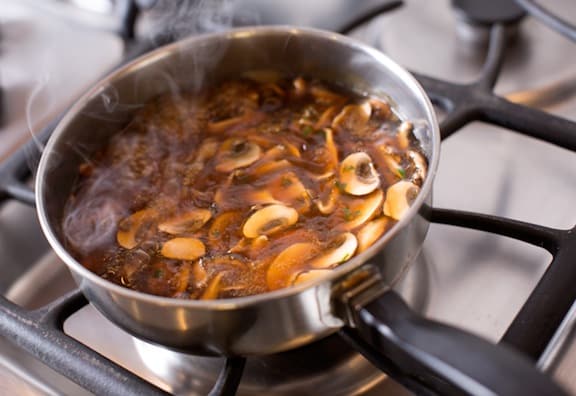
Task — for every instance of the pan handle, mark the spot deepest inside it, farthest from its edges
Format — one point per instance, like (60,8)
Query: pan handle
(444,358)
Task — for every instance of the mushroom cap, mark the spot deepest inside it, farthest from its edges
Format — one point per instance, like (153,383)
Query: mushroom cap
(371,231)
(357,174)
(130,228)
(399,197)
(358,210)
(353,117)
(268,220)
(310,275)
(236,153)
(288,264)
(339,250)
(183,248)
(186,222)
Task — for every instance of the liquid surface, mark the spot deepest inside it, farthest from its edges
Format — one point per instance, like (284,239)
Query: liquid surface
(246,188)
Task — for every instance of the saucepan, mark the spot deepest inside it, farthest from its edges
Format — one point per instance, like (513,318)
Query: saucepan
(356,295)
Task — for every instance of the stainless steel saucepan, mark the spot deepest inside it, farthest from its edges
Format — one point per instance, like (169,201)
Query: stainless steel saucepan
(355,296)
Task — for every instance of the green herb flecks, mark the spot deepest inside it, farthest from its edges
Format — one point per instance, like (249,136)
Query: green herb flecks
(350,214)
(340,186)
(348,168)
(307,130)
(401,172)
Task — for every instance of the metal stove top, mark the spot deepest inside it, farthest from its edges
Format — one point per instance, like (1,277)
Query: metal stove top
(474,280)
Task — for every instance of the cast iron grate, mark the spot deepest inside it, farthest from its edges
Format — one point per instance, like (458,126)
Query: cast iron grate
(40,332)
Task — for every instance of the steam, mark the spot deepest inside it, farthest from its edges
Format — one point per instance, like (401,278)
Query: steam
(91,218)
(41,83)
(178,19)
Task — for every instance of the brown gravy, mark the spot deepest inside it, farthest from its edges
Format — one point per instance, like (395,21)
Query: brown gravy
(246,188)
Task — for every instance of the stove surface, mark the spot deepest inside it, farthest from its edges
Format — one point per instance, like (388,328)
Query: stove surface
(474,280)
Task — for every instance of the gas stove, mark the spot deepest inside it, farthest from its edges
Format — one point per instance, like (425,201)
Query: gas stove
(495,264)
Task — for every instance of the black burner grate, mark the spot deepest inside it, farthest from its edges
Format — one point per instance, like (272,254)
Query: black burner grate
(41,332)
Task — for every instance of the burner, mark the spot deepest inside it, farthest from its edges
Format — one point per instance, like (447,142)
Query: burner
(329,367)
(489,12)
(476,17)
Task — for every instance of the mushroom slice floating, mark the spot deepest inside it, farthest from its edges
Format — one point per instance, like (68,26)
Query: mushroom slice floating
(289,190)
(269,220)
(399,197)
(310,275)
(199,274)
(186,222)
(182,278)
(300,86)
(288,264)
(353,117)
(269,167)
(331,147)
(213,288)
(357,174)
(130,228)
(380,107)
(403,136)
(371,232)
(358,211)
(327,202)
(326,117)
(183,249)
(419,166)
(237,153)
(339,250)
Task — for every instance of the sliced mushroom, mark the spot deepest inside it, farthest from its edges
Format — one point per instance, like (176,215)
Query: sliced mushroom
(326,117)
(399,197)
(182,278)
(331,147)
(260,197)
(357,211)
(288,264)
(131,228)
(370,232)
(237,153)
(213,288)
(269,167)
(419,166)
(327,202)
(250,247)
(300,86)
(391,161)
(236,197)
(269,220)
(199,274)
(223,230)
(380,108)
(186,222)
(353,117)
(310,275)
(403,135)
(340,249)
(183,248)
(289,190)
(357,174)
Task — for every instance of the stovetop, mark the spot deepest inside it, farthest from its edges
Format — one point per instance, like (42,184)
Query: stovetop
(475,280)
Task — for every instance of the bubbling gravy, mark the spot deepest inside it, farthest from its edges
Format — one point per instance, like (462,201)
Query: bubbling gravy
(246,188)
